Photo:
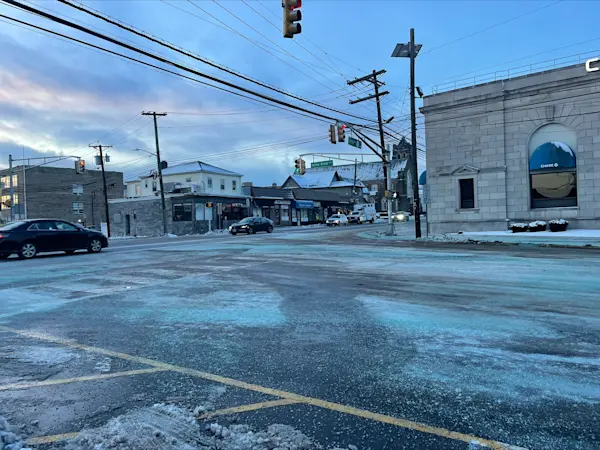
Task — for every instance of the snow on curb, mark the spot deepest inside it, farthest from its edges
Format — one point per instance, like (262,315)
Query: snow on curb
(8,439)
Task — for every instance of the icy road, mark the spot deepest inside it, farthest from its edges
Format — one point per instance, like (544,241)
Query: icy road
(311,338)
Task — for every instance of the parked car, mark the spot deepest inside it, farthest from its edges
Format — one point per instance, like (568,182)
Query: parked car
(357,217)
(27,238)
(337,219)
(251,225)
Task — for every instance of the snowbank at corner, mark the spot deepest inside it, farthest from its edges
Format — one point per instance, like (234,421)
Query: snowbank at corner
(8,439)
(560,234)
(168,427)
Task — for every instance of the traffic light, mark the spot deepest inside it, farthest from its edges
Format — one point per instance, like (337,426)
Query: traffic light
(79,166)
(332,138)
(341,131)
(291,14)
(300,166)
(209,205)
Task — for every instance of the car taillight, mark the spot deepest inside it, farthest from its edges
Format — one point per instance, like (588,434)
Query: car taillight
(2,235)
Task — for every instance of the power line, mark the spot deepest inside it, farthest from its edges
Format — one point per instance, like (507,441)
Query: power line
(182,51)
(179,66)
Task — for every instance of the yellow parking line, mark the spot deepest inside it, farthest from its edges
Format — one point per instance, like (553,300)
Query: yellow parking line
(404,423)
(15,386)
(50,439)
(246,408)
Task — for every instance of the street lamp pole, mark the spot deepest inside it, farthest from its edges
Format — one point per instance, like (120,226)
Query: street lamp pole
(411,50)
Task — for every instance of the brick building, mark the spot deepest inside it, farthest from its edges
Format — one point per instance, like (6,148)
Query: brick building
(515,150)
(59,193)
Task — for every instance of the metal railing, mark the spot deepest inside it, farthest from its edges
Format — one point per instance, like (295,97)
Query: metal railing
(514,72)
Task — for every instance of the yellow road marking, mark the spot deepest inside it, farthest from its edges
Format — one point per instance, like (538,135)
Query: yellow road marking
(404,423)
(50,439)
(15,386)
(245,408)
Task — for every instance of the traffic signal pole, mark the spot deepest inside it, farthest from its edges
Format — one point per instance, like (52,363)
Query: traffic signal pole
(413,127)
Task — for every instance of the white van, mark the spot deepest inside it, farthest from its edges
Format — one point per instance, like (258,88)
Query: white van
(367,210)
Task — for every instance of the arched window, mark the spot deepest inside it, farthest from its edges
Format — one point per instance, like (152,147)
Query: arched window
(553,176)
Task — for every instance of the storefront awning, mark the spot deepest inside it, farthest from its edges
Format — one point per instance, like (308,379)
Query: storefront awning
(552,156)
(423,178)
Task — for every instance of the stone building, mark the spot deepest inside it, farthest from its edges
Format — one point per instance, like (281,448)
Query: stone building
(58,193)
(515,150)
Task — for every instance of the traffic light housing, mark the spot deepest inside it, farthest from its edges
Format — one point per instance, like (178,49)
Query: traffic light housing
(300,165)
(341,132)
(79,166)
(291,14)
(332,138)
(209,204)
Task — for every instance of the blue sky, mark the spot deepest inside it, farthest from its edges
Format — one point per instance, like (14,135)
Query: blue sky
(56,97)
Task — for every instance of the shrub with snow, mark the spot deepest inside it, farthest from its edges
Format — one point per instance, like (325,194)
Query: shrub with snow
(518,227)
(538,225)
(558,225)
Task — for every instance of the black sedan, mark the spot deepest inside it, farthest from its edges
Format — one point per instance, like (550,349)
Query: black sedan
(27,238)
(251,225)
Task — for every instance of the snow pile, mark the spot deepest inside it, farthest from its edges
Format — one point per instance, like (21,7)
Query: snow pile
(167,427)
(164,427)
(215,232)
(123,238)
(8,439)
(171,235)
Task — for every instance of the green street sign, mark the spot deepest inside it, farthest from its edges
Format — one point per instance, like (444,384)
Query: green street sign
(322,163)
(354,142)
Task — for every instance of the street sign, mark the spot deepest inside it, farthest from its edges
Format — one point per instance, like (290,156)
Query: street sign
(354,142)
(322,163)
(426,194)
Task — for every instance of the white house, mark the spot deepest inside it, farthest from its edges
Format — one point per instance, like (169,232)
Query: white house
(194,177)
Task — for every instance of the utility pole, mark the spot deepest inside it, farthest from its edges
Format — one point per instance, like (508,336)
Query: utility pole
(12,187)
(413,126)
(372,78)
(354,185)
(99,148)
(158,161)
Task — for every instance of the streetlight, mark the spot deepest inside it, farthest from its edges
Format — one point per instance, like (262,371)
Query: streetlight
(411,50)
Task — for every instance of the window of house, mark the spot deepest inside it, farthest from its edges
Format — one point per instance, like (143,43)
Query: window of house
(374,188)
(466,187)
(154,186)
(222,184)
(233,185)
(553,176)
(209,182)
(182,212)
(78,208)
(78,189)
(138,190)
(146,184)
(188,179)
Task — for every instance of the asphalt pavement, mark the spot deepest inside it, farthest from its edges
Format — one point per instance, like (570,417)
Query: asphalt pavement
(350,340)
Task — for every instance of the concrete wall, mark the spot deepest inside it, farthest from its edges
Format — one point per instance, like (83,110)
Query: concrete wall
(484,131)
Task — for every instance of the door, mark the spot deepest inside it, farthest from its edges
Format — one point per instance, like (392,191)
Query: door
(127,225)
(70,237)
(43,235)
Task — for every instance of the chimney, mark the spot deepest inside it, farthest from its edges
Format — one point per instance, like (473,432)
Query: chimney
(274,185)
(247,184)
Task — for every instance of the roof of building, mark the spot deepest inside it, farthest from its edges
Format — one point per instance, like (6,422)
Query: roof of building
(368,171)
(196,166)
(271,192)
(316,179)
(318,195)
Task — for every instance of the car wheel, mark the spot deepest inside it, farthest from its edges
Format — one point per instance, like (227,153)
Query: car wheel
(69,252)
(270,229)
(28,251)
(253,231)
(95,246)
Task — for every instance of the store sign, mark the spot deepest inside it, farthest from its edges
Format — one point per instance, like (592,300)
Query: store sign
(305,204)
(283,202)
(592,65)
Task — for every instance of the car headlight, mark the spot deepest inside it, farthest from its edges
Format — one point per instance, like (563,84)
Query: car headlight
(244,226)
(230,228)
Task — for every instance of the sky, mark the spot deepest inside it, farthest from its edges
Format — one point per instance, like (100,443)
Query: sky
(57,97)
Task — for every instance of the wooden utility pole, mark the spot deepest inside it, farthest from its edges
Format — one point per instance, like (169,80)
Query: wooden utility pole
(159,167)
(385,156)
(100,148)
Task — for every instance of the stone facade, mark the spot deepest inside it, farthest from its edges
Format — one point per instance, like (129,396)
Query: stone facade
(143,216)
(51,194)
(488,132)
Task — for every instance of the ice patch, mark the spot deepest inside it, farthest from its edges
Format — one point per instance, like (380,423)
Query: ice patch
(103,366)
(44,355)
